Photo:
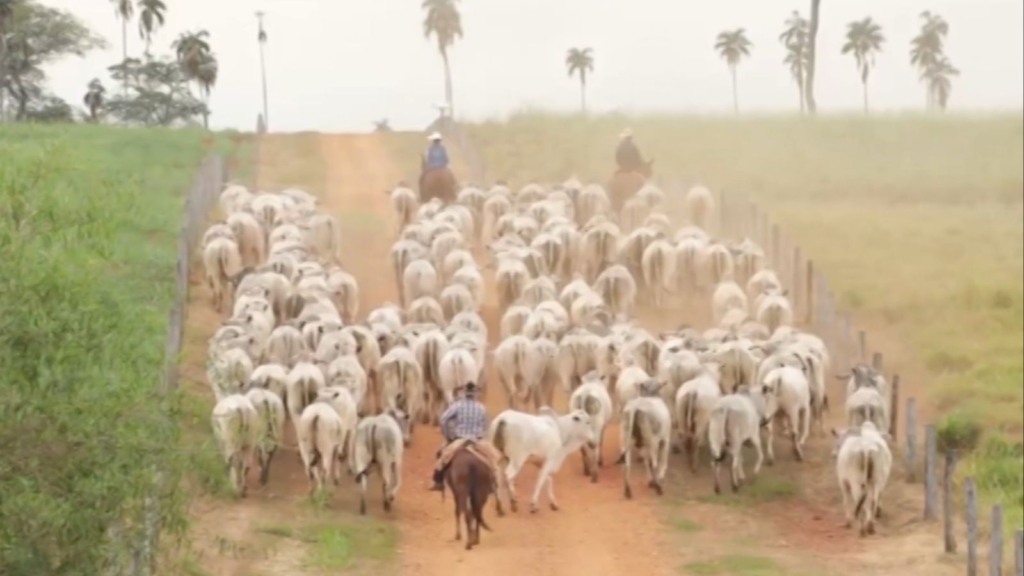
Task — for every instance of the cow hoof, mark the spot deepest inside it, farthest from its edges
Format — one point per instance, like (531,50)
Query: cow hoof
(735,488)
(871,528)
(593,479)
(362,508)
(387,506)
(554,507)
(718,489)
(658,489)
(513,506)
(533,508)
(628,493)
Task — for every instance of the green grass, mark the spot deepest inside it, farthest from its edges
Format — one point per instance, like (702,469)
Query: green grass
(757,490)
(88,222)
(916,221)
(342,544)
(735,565)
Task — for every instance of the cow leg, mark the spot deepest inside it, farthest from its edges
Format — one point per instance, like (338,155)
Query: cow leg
(552,502)
(737,468)
(627,491)
(760,455)
(362,495)
(769,431)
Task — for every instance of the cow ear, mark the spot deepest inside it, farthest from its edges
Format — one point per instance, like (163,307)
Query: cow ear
(575,417)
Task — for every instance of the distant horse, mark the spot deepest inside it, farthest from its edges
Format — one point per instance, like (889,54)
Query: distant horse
(624,185)
(471,479)
(436,183)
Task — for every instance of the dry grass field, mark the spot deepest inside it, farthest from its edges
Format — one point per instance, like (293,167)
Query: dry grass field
(916,222)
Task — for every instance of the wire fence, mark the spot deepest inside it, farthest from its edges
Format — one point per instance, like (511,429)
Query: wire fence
(138,557)
(816,308)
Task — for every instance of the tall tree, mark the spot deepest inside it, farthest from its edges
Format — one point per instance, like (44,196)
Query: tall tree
(159,94)
(938,78)
(125,10)
(444,23)
(580,61)
(151,18)
(795,38)
(864,40)
(812,56)
(927,50)
(198,63)
(733,46)
(94,99)
(6,15)
(38,35)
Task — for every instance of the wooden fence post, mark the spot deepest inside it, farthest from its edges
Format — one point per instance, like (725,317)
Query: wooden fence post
(776,249)
(911,453)
(972,526)
(799,298)
(995,543)
(894,405)
(930,488)
(811,297)
(862,345)
(1018,553)
(947,501)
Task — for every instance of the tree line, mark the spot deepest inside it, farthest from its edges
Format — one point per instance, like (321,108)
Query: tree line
(155,89)
(863,42)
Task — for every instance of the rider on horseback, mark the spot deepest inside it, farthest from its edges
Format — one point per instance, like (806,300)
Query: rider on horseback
(437,155)
(464,421)
(627,155)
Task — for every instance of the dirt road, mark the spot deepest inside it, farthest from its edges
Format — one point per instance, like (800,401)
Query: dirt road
(790,524)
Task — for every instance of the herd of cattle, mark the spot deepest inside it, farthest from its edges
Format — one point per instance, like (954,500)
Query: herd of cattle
(567,275)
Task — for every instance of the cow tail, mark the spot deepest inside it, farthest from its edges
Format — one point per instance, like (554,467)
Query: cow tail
(373,453)
(717,448)
(499,437)
(315,456)
(690,417)
(867,458)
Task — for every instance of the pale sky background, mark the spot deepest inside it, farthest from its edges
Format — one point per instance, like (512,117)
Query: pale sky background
(337,66)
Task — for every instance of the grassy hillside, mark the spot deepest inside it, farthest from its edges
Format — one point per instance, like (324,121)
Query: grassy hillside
(917,223)
(88,226)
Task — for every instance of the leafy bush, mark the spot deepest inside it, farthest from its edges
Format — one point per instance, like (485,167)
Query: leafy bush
(83,308)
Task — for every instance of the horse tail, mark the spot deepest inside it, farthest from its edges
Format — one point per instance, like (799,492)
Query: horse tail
(477,493)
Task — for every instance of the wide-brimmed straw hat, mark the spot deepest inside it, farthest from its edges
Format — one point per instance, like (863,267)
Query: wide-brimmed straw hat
(626,133)
(434,136)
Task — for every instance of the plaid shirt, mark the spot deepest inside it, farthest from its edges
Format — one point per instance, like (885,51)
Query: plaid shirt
(464,418)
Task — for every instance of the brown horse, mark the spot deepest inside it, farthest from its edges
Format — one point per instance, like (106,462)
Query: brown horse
(624,185)
(472,482)
(437,183)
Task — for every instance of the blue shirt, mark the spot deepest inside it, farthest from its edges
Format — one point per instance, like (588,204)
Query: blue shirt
(437,156)
(464,418)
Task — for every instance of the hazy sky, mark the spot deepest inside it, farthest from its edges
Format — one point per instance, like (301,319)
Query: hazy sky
(336,66)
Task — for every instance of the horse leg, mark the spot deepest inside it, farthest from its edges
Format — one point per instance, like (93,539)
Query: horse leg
(459,498)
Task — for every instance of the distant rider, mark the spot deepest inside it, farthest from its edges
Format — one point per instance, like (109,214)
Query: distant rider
(465,420)
(437,155)
(627,155)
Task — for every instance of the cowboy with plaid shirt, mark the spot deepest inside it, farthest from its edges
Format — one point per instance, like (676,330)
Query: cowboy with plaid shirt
(465,420)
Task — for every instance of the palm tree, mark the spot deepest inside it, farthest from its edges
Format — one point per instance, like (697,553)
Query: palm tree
(124,9)
(444,22)
(580,61)
(206,78)
(812,56)
(926,49)
(794,38)
(197,61)
(733,46)
(6,15)
(937,77)
(864,39)
(94,98)
(151,18)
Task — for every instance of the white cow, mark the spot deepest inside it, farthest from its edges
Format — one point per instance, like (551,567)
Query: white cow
(548,436)
(646,428)
(234,421)
(379,441)
(863,464)
(592,397)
